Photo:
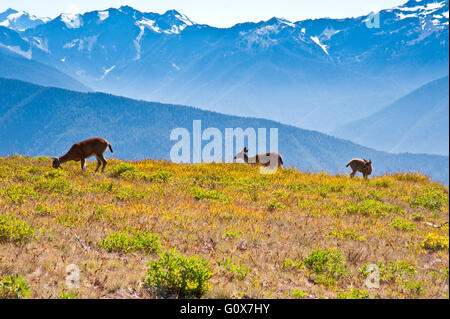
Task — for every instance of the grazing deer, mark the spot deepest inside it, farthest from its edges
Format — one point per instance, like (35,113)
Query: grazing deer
(265,159)
(82,150)
(360,165)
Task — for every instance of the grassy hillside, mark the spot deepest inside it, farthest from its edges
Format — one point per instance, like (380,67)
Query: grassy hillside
(286,235)
(47,121)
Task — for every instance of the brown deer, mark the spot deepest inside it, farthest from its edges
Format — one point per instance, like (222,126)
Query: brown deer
(265,159)
(82,150)
(360,165)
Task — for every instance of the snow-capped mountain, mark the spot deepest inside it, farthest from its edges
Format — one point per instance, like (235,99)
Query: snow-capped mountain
(92,44)
(436,11)
(20,20)
(11,41)
(317,74)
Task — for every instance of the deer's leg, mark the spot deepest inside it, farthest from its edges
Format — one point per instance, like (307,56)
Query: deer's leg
(83,164)
(352,174)
(103,161)
(99,162)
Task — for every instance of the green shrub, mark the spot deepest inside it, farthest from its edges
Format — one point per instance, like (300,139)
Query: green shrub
(239,271)
(24,174)
(68,295)
(371,207)
(126,171)
(128,193)
(336,188)
(202,194)
(14,230)
(402,225)
(346,234)
(373,194)
(298,294)
(232,234)
(178,274)
(13,287)
(160,176)
(353,294)
(55,173)
(103,187)
(56,185)
(435,242)
(273,204)
(395,270)
(414,288)
(431,199)
(293,264)
(280,193)
(127,241)
(392,271)
(299,187)
(327,266)
(18,194)
(4,171)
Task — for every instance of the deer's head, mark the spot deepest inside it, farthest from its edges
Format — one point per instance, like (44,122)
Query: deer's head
(56,163)
(241,154)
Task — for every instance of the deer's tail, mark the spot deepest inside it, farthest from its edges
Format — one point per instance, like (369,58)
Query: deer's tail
(110,148)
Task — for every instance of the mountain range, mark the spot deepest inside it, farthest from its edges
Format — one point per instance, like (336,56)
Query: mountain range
(382,91)
(317,74)
(20,20)
(418,123)
(37,120)
(16,63)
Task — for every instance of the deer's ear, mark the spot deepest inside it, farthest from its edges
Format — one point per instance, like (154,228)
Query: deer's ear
(245,149)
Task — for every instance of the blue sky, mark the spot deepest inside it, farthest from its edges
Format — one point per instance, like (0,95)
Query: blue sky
(220,13)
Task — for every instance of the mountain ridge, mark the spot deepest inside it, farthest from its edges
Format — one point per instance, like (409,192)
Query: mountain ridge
(319,70)
(20,20)
(423,126)
(16,66)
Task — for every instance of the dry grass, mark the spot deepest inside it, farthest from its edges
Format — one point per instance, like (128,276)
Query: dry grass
(254,230)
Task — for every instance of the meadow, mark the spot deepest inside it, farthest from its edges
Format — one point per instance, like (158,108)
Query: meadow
(155,229)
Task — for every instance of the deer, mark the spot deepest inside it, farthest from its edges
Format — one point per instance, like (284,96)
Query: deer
(265,159)
(360,165)
(85,149)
